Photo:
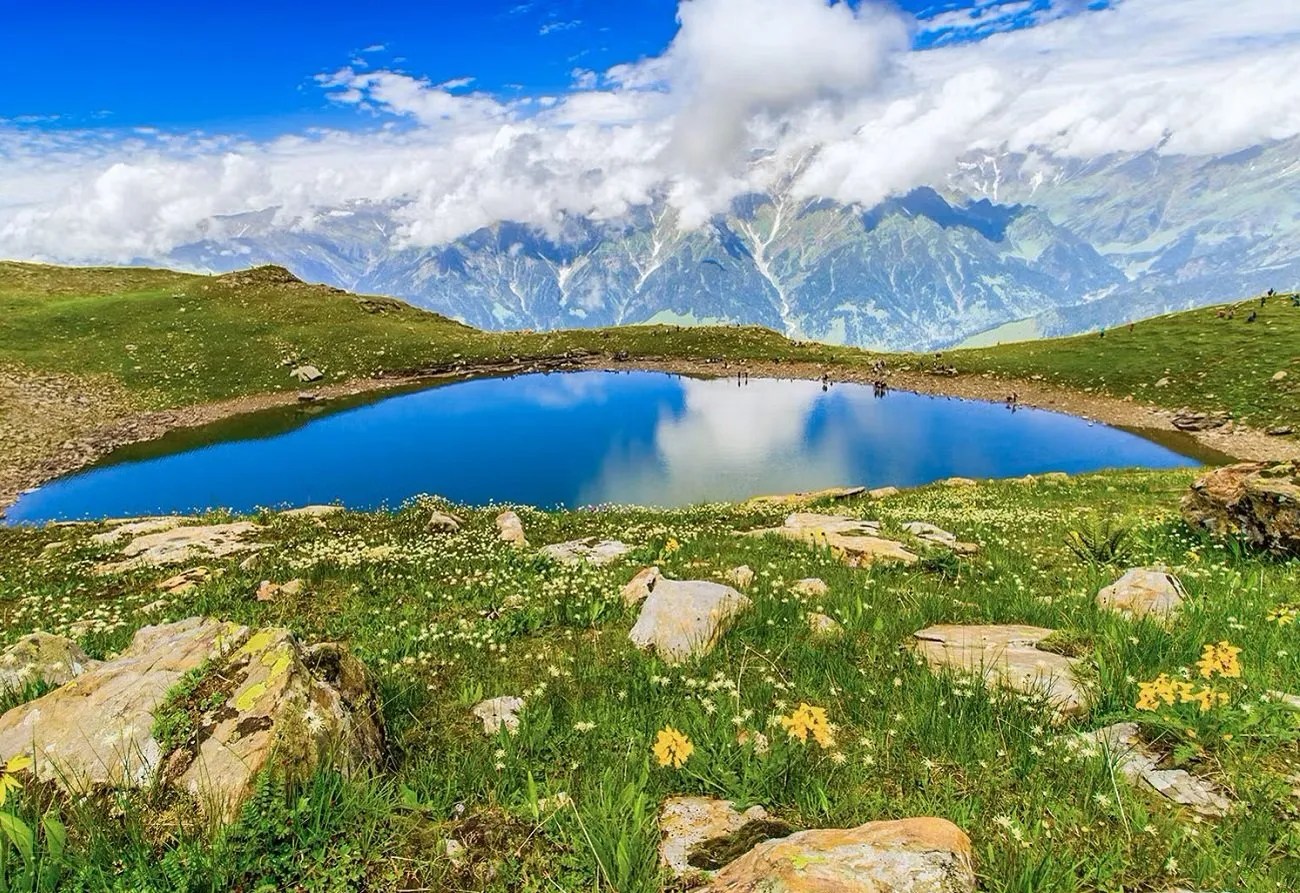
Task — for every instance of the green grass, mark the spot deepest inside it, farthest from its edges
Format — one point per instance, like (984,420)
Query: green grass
(173,339)
(443,621)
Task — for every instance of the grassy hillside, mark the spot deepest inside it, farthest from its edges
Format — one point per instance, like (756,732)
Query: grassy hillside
(1201,359)
(569,803)
(173,339)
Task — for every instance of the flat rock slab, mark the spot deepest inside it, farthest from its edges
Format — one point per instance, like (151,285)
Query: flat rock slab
(312,511)
(262,696)
(923,855)
(42,658)
(688,822)
(138,527)
(856,541)
(937,536)
(183,544)
(1256,501)
(1144,592)
(1006,656)
(681,619)
(1134,760)
(589,550)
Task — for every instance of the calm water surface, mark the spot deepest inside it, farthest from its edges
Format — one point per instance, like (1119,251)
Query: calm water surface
(586,438)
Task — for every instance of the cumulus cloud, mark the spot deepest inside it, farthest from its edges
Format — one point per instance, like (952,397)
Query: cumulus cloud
(811,98)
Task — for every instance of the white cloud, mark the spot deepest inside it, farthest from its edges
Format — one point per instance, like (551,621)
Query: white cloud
(747,88)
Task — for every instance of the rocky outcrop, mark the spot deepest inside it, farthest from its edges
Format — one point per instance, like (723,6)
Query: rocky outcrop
(1140,766)
(682,619)
(138,527)
(589,550)
(181,544)
(1006,656)
(40,658)
(511,530)
(857,542)
(1187,420)
(923,855)
(830,494)
(201,706)
(1256,501)
(1144,592)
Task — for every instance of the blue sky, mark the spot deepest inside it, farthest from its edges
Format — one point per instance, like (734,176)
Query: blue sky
(249,64)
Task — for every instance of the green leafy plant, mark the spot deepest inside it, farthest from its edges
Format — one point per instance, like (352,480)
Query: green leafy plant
(1100,540)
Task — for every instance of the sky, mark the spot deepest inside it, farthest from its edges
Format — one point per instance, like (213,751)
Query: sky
(128,129)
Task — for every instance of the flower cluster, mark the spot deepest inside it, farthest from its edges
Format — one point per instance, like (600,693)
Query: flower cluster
(1217,659)
(1220,659)
(806,721)
(672,748)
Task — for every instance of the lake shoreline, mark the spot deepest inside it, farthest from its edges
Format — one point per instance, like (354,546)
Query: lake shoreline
(96,439)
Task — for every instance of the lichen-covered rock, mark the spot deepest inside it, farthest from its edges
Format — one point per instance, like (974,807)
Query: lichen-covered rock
(1256,501)
(638,589)
(684,618)
(1135,762)
(42,658)
(511,530)
(856,541)
(923,855)
(1144,592)
(1007,656)
(589,550)
(690,826)
(181,544)
(253,699)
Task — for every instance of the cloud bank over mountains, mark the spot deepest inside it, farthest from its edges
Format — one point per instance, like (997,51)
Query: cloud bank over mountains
(752,96)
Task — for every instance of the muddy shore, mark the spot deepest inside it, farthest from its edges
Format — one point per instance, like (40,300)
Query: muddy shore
(51,426)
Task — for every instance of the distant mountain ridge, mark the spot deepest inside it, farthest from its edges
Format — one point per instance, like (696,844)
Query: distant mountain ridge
(1069,245)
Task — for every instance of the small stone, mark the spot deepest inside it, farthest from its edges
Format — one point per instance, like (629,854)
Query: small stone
(511,530)
(1280,375)
(959,482)
(443,522)
(499,713)
(1134,760)
(882,492)
(269,592)
(937,536)
(823,625)
(1162,383)
(741,577)
(855,541)
(810,587)
(307,374)
(184,582)
(1144,592)
(1280,431)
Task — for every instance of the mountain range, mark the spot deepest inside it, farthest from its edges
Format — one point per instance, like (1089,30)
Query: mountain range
(1008,246)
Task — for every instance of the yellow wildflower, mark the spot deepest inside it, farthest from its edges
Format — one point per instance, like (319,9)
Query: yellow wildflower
(672,748)
(8,780)
(1284,615)
(1161,690)
(808,720)
(671,546)
(1221,659)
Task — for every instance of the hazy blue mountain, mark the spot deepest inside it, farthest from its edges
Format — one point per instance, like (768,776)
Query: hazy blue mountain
(1068,245)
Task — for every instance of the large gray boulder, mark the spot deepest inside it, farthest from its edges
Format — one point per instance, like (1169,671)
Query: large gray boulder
(1144,592)
(681,619)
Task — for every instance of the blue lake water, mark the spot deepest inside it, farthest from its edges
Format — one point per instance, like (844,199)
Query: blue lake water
(587,438)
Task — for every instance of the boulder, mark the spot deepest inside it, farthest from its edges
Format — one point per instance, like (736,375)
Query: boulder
(1136,763)
(856,541)
(922,855)
(958,482)
(42,658)
(312,511)
(499,713)
(1007,656)
(254,699)
(684,618)
(882,492)
(1280,431)
(589,550)
(511,530)
(937,536)
(1186,420)
(810,587)
(182,544)
(689,824)
(638,589)
(443,522)
(1256,501)
(1144,592)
